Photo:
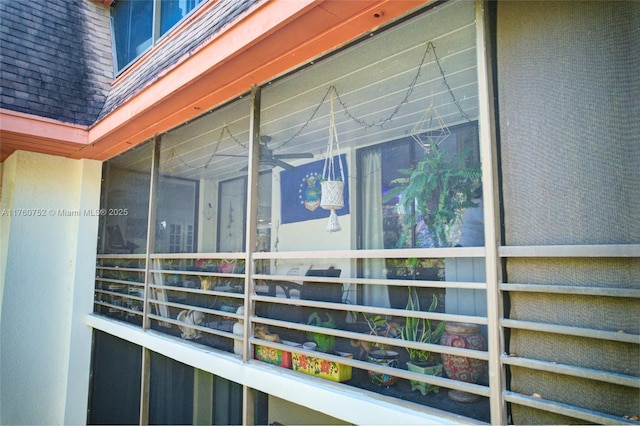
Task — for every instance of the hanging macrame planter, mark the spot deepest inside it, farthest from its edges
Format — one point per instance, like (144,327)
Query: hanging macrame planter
(332,188)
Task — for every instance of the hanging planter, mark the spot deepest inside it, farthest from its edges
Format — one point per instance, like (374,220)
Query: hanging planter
(332,187)
(431,130)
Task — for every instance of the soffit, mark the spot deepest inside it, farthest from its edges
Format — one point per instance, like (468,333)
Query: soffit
(374,80)
(267,41)
(274,38)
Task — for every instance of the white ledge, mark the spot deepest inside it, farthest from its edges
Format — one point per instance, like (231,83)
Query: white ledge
(348,404)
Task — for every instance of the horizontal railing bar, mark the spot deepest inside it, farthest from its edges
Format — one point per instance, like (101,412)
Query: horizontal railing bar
(121,256)
(113,293)
(196,327)
(197,273)
(116,281)
(196,308)
(601,250)
(397,372)
(373,310)
(298,279)
(116,294)
(577,290)
(571,370)
(120,268)
(197,291)
(212,256)
(565,409)
(120,308)
(302,302)
(369,337)
(571,331)
(421,253)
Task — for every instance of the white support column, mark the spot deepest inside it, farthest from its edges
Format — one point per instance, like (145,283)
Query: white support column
(49,234)
(490,191)
(250,244)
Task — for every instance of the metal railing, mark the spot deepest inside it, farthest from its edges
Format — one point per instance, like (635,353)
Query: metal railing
(196,297)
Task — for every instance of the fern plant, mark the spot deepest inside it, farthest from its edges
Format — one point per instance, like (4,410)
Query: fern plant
(438,189)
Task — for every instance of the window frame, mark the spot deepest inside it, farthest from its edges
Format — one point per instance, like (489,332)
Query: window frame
(156,30)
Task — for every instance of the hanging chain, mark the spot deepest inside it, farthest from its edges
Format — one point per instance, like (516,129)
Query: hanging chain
(382,122)
(174,154)
(333,91)
(329,170)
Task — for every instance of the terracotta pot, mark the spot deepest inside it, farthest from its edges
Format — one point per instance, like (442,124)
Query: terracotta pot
(388,359)
(466,336)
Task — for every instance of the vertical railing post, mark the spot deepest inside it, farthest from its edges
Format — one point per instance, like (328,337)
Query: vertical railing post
(151,232)
(250,243)
(151,228)
(490,191)
(144,386)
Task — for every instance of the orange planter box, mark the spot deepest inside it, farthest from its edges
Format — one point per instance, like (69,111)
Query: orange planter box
(316,366)
(275,356)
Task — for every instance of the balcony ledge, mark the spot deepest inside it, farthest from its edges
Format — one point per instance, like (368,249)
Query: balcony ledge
(354,406)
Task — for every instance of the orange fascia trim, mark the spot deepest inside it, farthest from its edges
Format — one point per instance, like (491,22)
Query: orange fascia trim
(226,44)
(272,38)
(41,127)
(105,2)
(175,32)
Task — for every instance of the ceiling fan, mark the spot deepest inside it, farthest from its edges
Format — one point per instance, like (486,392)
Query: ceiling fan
(267,157)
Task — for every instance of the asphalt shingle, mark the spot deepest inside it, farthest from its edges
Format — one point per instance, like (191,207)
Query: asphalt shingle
(45,53)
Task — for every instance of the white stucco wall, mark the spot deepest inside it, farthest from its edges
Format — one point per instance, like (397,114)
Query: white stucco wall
(48,251)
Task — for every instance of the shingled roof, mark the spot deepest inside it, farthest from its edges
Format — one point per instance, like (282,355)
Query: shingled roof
(180,46)
(55,59)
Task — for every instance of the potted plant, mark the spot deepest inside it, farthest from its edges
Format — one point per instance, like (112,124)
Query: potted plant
(438,189)
(380,353)
(413,269)
(317,365)
(324,342)
(419,330)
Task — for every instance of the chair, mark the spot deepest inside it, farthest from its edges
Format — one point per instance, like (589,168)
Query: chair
(116,241)
(323,292)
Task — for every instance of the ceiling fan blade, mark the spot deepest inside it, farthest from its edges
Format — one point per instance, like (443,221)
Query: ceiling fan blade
(273,162)
(294,155)
(280,163)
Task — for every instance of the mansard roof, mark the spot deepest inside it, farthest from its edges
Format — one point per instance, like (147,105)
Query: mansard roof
(55,59)
(59,95)
(200,29)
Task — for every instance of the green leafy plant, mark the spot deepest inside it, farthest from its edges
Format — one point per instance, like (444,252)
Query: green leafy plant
(325,342)
(438,188)
(420,330)
(381,326)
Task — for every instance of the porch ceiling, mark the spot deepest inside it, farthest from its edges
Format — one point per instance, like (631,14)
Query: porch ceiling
(374,80)
(271,39)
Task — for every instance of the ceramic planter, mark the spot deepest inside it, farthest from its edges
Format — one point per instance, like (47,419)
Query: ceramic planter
(275,356)
(430,370)
(466,336)
(316,366)
(387,359)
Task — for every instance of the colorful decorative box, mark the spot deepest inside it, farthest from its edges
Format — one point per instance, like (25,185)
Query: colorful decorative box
(323,368)
(275,356)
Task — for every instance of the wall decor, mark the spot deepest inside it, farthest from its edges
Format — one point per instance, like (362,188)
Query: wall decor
(301,191)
